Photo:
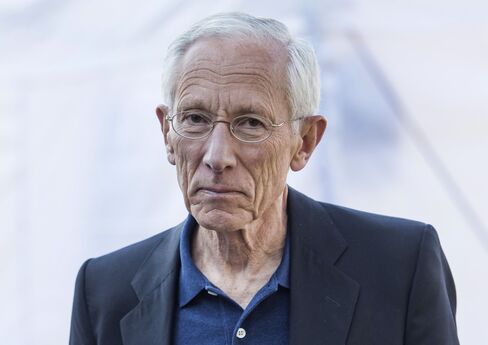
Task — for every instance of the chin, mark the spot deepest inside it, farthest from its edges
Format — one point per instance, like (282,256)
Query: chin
(222,220)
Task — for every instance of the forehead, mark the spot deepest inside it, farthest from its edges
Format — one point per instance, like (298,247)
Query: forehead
(225,67)
(235,49)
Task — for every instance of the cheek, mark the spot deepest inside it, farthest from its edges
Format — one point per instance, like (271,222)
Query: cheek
(186,159)
(270,171)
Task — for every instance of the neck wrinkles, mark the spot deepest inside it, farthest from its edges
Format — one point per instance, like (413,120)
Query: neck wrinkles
(250,250)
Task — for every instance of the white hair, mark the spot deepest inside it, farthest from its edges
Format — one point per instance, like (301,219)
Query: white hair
(303,89)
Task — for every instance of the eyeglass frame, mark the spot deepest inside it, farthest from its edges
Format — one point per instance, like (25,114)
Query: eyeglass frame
(170,118)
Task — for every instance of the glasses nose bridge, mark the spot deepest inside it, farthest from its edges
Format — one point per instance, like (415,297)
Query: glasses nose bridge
(228,123)
(221,121)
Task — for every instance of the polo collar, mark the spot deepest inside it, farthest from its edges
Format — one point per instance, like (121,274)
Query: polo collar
(191,280)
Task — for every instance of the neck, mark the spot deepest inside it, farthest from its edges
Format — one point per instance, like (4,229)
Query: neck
(240,262)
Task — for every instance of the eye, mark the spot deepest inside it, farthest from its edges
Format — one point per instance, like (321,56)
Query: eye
(251,128)
(194,118)
(250,123)
(254,122)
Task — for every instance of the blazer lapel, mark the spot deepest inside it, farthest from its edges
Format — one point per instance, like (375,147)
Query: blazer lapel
(323,298)
(156,286)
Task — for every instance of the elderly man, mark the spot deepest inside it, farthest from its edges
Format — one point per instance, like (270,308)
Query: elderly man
(256,262)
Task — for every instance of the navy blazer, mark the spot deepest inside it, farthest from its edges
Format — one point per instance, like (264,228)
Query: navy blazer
(356,279)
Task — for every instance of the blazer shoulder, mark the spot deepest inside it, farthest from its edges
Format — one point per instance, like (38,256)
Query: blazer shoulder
(355,222)
(128,259)
(106,281)
(359,229)
(394,243)
(345,218)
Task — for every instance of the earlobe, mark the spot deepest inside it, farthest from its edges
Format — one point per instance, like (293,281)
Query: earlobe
(313,128)
(161,112)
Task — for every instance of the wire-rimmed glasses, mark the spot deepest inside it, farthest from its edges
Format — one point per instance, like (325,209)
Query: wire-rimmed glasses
(198,124)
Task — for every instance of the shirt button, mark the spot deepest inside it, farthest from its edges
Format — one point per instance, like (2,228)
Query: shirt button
(241,333)
(211,293)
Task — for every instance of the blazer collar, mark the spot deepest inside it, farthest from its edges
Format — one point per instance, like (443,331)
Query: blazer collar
(323,298)
(155,284)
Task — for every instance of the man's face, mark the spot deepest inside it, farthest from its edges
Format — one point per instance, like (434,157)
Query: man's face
(226,183)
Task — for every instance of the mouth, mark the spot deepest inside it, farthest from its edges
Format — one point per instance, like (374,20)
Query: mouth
(218,190)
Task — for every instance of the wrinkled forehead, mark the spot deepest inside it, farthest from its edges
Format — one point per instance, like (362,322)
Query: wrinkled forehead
(225,50)
(228,57)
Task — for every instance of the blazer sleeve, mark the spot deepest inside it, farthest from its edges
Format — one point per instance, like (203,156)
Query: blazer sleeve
(81,330)
(431,316)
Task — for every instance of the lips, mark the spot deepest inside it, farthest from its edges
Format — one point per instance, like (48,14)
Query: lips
(217,189)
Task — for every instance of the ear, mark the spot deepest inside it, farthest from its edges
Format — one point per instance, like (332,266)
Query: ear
(311,132)
(161,112)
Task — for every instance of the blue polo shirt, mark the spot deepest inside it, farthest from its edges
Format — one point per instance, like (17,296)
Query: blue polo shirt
(207,316)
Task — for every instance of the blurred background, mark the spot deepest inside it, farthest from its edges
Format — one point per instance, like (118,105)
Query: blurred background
(82,164)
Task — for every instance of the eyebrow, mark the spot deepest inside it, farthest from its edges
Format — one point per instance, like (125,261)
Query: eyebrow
(201,105)
(193,104)
(250,110)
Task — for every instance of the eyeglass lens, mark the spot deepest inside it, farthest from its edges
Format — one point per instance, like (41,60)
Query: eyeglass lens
(195,125)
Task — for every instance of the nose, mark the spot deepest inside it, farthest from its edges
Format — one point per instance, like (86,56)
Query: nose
(219,149)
